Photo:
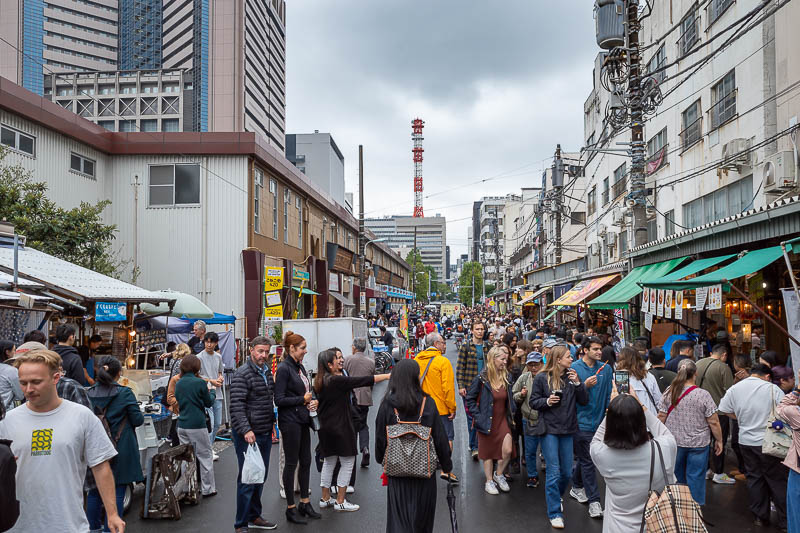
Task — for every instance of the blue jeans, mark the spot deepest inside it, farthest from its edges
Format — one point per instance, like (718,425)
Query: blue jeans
(473,433)
(531,445)
(215,413)
(793,502)
(690,468)
(248,497)
(557,450)
(96,513)
(584,475)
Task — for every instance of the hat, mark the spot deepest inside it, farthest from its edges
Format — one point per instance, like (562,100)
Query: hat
(722,335)
(28,346)
(534,357)
(549,343)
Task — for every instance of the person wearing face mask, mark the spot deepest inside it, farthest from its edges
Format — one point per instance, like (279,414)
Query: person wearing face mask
(337,435)
(295,403)
(557,391)
(492,405)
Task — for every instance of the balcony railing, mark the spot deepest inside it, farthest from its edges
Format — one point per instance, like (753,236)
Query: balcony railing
(657,160)
(692,134)
(619,188)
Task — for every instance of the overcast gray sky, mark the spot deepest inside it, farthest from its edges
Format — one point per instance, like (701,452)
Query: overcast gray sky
(498,84)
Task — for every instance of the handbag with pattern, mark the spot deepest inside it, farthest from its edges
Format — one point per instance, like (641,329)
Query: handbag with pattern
(672,511)
(777,436)
(410,451)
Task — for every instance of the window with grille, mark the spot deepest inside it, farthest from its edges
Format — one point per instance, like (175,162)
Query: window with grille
(287,195)
(174,185)
(718,7)
(606,192)
(656,62)
(170,105)
(669,223)
(692,121)
(689,31)
(619,181)
(16,140)
(591,201)
(82,165)
(723,100)
(258,186)
(657,151)
(273,188)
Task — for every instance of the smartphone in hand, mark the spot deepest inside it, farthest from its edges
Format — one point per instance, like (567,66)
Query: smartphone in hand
(622,381)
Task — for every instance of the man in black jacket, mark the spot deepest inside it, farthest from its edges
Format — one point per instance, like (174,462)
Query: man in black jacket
(252,416)
(70,358)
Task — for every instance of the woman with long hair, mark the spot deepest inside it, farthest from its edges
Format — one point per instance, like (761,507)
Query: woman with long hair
(123,415)
(789,410)
(641,381)
(295,402)
(411,502)
(621,451)
(492,405)
(690,413)
(337,435)
(556,393)
(180,352)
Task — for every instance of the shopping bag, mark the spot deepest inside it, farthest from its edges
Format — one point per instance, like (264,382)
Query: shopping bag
(253,470)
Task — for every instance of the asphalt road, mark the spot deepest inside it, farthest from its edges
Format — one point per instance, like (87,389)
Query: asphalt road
(522,509)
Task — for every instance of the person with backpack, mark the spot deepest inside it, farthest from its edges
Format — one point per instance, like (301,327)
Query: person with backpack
(438,381)
(689,412)
(181,351)
(118,410)
(530,417)
(715,376)
(411,501)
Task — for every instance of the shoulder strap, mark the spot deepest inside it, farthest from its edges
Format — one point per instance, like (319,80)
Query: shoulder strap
(687,391)
(666,485)
(422,379)
(421,411)
(650,483)
(708,367)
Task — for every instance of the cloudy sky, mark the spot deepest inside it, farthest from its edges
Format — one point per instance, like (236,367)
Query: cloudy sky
(498,84)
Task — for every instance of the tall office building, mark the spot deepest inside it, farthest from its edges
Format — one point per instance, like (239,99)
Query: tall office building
(140,34)
(429,233)
(318,157)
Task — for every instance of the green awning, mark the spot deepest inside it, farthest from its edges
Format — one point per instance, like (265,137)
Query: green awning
(694,267)
(618,296)
(793,245)
(747,264)
(548,317)
(306,290)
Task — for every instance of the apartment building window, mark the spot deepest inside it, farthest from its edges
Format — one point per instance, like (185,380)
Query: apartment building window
(619,181)
(170,124)
(127,89)
(149,125)
(591,201)
(81,164)
(692,122)
(657,151)
(299,204)
(669,223)
(106,89)
(107,124)
(287,196)
(623,241)
(174,185)
(656,62)
(652,230)
(16,140)
(723,100)
(171,88)
(689,31)
(718,7)
(578,218)
(127,125)
(273,189)
(258,187)
(65,91)
(606,192)
(724,202)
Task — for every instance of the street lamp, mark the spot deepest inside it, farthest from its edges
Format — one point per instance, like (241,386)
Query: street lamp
(362,275)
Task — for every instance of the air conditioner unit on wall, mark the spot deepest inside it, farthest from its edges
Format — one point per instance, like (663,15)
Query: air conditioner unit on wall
(594,249)
(733,156)
(778,172)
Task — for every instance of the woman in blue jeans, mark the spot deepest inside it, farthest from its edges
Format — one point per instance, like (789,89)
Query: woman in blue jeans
(689,412)
(556,392)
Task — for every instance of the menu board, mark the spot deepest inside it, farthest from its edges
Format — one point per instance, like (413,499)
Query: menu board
(151,337)
(119,343)
(646,301)
(678,304)
(660,306)
(668,303)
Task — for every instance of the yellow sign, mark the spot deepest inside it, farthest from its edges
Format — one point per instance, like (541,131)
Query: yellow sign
(273,313)
(273,279)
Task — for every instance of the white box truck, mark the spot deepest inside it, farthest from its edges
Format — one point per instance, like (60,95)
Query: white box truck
(324,333)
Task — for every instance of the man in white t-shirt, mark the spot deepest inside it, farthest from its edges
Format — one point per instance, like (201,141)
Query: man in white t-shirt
(751,401)
(55,441)
(211,369)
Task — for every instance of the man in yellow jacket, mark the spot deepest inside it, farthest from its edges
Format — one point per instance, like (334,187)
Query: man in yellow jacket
(437,380)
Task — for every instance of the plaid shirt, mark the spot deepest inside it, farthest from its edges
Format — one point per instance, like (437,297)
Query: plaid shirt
(69,389)
(467,366)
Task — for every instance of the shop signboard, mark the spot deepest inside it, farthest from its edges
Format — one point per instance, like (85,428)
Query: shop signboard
(300,275)
(382,276)
(648,321)
(619,326)
(273,313)
(792,306)
(660,305)
(151,337)
(333,282)
(119,342)
(646,301)
(668,303)
(373,306)
(715,297)
(273,298)
(678,305)
(363,300)
(273,279)
(701,295)
(340,258)
(653,293)
(110,312)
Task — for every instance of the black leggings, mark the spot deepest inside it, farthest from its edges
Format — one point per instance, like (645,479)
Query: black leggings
(297,450)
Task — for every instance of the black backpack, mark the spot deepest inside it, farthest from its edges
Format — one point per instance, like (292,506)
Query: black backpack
(101,414)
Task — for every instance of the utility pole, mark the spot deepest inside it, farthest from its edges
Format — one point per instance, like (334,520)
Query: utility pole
(557,177)
(361,235)
(638,194)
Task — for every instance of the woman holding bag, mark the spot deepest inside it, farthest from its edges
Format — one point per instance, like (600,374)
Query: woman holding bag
(337,436)
(789,410)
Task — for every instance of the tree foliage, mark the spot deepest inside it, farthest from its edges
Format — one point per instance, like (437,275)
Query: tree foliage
(77,235)
(465,286)
(422,275)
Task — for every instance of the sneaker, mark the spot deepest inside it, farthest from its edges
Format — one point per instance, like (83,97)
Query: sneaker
(260,523)
(345,506)
(557,522)
(350,489)
(283,494)
(578,494)
(324,504)
(595,510)
(709,474)
(723,479)
(533,482)
(740,477)
(501,482)
(237,530)
(474,455)
(215,456)
(491,488)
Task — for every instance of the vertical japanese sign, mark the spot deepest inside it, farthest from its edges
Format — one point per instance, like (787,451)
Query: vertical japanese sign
(619,326)
(646,301)
(273,283)
(660,306)
(648,321)
(668,303)
(701,295)
(792,306)
(715,297)
(679,304)
(653,293)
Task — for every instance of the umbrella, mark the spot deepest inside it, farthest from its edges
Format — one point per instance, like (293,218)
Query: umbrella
(451,503)
(186,306)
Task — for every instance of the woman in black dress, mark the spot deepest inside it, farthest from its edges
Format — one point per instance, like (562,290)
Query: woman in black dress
(411,501)
(337,436)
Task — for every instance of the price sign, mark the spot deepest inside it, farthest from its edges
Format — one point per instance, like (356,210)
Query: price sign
(273,279)
(273,313)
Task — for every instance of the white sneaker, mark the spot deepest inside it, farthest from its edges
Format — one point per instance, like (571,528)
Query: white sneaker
(215,456)
(350,489)
(578,494)
(557,522)
(491,488)
(345,506)
(595,510)
(723,479)
(501,482)
(323,504)
(709,474)
(283,494)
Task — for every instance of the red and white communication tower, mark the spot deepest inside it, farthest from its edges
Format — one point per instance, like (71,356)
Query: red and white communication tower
(416,135)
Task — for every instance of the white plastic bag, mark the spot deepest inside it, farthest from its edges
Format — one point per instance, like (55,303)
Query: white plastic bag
(253,470)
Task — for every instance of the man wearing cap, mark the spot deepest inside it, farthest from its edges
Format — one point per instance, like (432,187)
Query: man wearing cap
(530,417)
(597,378)
(547,345)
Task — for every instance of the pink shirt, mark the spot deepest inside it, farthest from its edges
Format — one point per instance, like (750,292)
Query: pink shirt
(789,411)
